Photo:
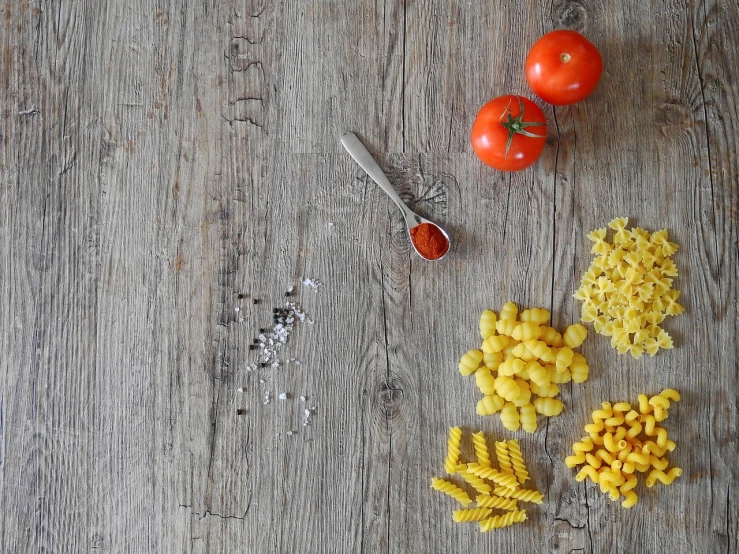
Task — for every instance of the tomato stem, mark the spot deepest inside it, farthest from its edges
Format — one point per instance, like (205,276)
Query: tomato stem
(517,126)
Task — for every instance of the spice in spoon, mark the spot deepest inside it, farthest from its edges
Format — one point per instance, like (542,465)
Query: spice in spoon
(429,241)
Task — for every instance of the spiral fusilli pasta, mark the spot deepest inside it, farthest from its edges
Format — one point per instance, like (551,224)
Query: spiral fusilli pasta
(452,457)
(481,449)
(497,522)
(519,466)
(471,514)
(452,490)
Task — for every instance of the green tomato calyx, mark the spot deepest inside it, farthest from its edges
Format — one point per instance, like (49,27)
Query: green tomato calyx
(517,126)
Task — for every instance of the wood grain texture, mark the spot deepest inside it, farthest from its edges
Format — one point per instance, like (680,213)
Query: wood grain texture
(164,163)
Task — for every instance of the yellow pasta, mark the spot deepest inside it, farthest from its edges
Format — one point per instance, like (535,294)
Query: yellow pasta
(485,381)
(526,495)
(477,483)
(527,418)
(490,405)
(519,466)
(623,442)
(627,291)
(498,522)
(575,335)
(503,479)
(507,388)
(498,502)
(481,449)
(509,311)
(472,514)
(509,417)
(548,406)
(540,316)
(522,362)
(452,457)
(470,362)
(665,478)
(492,360)
(526,331)
(487,324)
(452,490)
(504,459)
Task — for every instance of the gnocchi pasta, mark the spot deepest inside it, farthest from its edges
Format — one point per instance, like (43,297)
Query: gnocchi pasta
(521,363)
(627,292)
(622,441)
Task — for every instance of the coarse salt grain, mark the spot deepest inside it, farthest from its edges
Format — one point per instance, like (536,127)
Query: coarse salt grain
(302,398)
(283,396)
(267,397)
(236,309)
(312,283)
(240,389)
(289,433)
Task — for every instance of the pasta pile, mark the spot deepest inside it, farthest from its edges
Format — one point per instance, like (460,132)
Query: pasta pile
(494,488)
(627,292)
(622,441)
(521,363)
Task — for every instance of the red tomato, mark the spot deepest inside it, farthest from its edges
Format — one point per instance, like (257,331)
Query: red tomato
(563,67)
(509,133)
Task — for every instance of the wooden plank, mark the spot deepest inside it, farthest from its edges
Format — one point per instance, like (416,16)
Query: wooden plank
(160,159)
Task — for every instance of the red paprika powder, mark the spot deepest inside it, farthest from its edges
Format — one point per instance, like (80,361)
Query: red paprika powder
(429,241)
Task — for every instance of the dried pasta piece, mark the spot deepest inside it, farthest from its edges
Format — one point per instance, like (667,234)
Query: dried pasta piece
(509,311)
(504,459)
(509,417)
(519,466)
(527,495)
(452,490)
(527,418)
(502,479)
(488,320)
(477,483)
(548,406)
(452,457)
(490,405)
(497,502)
(664,478)
(481,449)
(498,522)
(485,381)
(470,362)
(471,514)
(576,334)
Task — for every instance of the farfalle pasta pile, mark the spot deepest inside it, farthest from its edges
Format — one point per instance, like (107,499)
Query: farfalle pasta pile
(627,292)
(521,363)
(622,441)
(494,488)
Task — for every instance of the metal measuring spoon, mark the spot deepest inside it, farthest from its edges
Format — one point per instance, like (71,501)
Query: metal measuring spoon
(365,160)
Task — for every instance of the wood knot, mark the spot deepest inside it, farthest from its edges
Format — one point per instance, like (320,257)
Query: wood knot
(570,14)
(390,397)
(673,115)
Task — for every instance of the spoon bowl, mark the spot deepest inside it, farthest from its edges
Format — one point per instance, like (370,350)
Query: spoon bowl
(412,220)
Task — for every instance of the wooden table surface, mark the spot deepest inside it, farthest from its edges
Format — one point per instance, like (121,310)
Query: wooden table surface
(157,159)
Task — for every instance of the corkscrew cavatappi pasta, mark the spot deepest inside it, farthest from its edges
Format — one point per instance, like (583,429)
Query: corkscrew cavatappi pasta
(495,488)
(623,441)
(521,363)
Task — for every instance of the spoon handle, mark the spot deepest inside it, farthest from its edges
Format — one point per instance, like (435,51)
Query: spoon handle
(365,160)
